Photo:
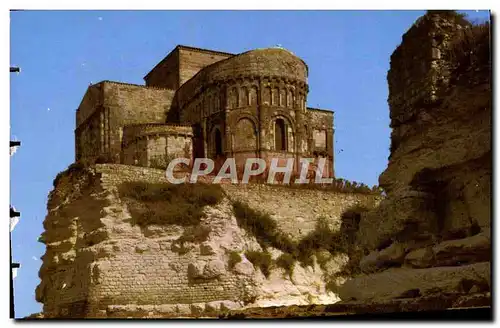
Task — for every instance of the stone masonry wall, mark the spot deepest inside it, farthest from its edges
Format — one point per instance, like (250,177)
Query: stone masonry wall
(105,267)
(120,104)
(297,210)
(91,100)
(191,61)
(165,74)
(321,124)
(155,144)
(133,105)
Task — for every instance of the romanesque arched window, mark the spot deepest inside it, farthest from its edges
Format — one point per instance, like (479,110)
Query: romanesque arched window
(282,97)
(233,98)
(266,97)
(280,134)
(276,95)
(243,97)
(289,99)
(252,96)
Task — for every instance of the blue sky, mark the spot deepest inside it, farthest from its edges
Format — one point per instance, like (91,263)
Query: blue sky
(62,52)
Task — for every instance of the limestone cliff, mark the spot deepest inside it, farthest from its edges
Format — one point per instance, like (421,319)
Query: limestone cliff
(102,261)
(431,235)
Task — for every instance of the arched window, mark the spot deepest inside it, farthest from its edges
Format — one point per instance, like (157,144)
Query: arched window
(276,96)
(280,134)
(243,97)
(282,97)
(218,142)
(253,96)
(233,98)
(266,96)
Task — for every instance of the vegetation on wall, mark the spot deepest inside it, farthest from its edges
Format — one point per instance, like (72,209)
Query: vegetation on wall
(163,204)
(262,260)
(287,262)
(161,162)
(338,185)
(73,168)
(261,226)
(234,258)
(471,48)
(321,239)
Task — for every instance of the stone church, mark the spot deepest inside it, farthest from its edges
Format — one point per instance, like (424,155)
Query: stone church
(203,103)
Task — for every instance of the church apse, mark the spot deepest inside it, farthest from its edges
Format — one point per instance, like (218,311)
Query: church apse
(240,106)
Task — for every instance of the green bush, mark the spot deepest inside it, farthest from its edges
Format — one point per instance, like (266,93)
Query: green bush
(287,262)
(262,227)
(471,48)
(323,256)
(161,162)
(338,185)
(321,238)
(158,162)
(262,260)
(162,203)
(73,168)
(267,234)
(234,258)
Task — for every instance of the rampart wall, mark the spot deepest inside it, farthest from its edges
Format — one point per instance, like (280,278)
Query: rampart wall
(104,266)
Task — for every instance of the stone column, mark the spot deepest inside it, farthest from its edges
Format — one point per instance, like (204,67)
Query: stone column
(228,142)
(329,149)
(260,126)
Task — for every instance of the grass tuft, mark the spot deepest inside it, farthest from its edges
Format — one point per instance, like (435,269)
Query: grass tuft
(234,258)
(162,204)
(262,260)
(287,262)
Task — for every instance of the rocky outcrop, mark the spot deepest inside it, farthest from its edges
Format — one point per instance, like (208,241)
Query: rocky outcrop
(431,235)
(411,283)
(102,262)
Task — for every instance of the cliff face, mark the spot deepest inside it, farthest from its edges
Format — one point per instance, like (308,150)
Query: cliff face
(431,235)
(108,255)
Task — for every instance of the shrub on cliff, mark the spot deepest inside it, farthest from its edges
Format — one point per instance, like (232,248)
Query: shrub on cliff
(349,227)
(73,168)
(321,238)
(161,203)
(262,260)
(471,48)
(234,258)
(266,231)
(287,262)
(261,226)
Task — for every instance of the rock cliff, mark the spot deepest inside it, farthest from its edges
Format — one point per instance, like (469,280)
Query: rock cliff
(431,235)
(121,242)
